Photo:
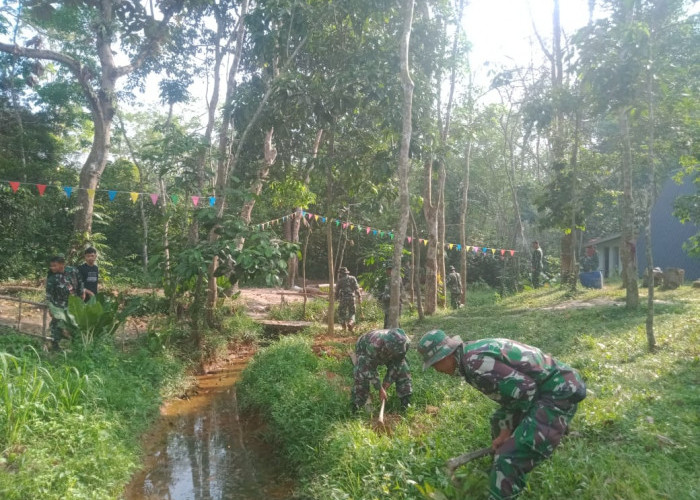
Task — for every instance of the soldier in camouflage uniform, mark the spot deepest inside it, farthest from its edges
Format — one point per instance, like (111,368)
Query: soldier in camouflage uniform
(538,397)
(62,282)
(589,262)
(454,285)
(381,347)
(346,291)
(537,263)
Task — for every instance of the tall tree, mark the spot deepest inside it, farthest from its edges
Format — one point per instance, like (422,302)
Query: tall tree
(404,163)
(88,53)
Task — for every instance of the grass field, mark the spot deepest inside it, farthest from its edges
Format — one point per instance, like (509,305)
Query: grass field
(636,436)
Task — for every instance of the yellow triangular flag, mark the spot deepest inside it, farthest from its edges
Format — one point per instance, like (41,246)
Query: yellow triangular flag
(493,250)
(451,245)
(352,226)
(425,242)
(134,197)
(91,193)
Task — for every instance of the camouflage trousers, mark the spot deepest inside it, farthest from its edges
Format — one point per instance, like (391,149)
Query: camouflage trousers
(56,333)
(536,273)
(346,310)
(455,297)
(537,433)
(363,374)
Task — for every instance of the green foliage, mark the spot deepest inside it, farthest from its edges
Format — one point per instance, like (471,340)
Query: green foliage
(687,209)
(643,402)
(96,319)
(71,424)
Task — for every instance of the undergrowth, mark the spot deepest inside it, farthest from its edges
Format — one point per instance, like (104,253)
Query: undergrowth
(71,422)
(636,436)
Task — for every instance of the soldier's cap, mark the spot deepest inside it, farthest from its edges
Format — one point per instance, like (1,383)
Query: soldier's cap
(389,265)
(436,345)
(343,270)
(401,336)
(452,268)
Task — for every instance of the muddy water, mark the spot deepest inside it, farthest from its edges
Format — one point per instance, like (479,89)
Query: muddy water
(202,449)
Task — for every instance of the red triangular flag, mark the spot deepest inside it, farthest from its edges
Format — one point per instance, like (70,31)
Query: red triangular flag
(154,198)
(409,239)
(14,185)
(195,200)
(512,252)
(41,188)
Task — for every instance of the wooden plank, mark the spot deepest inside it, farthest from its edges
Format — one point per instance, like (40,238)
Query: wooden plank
(15,299)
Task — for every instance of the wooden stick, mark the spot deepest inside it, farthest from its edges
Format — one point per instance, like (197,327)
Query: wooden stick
(381,412)
(453,463)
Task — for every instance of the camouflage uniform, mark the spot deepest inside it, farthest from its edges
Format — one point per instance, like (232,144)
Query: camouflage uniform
(537,266)
(589,262)
(381,347)
(454,285)
(345,292)
(59,286)
(538,396)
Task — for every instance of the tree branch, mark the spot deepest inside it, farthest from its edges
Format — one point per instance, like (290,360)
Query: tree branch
(81,72)
(151,44)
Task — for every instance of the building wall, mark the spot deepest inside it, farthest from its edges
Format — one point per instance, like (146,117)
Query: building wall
(668,234)
(609,258)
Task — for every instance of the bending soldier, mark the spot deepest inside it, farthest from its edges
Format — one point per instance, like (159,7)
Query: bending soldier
(538,396)
(381,347)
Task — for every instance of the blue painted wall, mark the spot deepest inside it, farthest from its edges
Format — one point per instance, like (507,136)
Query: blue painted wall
(668,234)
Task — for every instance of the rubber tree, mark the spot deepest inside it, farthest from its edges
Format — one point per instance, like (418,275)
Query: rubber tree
(87,52)
(403,164)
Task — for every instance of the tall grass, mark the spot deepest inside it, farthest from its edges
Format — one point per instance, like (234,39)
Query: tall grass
(70,424)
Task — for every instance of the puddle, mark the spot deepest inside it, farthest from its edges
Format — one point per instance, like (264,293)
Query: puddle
(201,449)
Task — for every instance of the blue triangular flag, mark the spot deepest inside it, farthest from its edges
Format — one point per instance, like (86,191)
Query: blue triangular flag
(68,190)
(212,201)
(112,195)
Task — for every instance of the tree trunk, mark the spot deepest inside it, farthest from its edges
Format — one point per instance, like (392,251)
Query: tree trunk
(404,165)
(329,242)
(270,154)
(651,196)
(293,263)
(463,219)
(225,163)
(628,248)
(442,177)
(415,247)
(430,212)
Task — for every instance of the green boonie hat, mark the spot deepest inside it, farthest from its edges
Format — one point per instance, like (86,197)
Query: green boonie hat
(343,270)
(436,345)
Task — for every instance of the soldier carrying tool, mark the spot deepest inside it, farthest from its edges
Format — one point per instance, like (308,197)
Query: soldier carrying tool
(381,347)
(538,396)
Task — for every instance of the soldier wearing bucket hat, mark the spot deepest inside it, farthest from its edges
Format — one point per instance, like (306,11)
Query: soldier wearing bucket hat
(538,396)
(347,289)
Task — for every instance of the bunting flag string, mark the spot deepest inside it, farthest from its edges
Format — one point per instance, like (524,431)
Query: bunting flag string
(351,226)
(347,225)
(111,193)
